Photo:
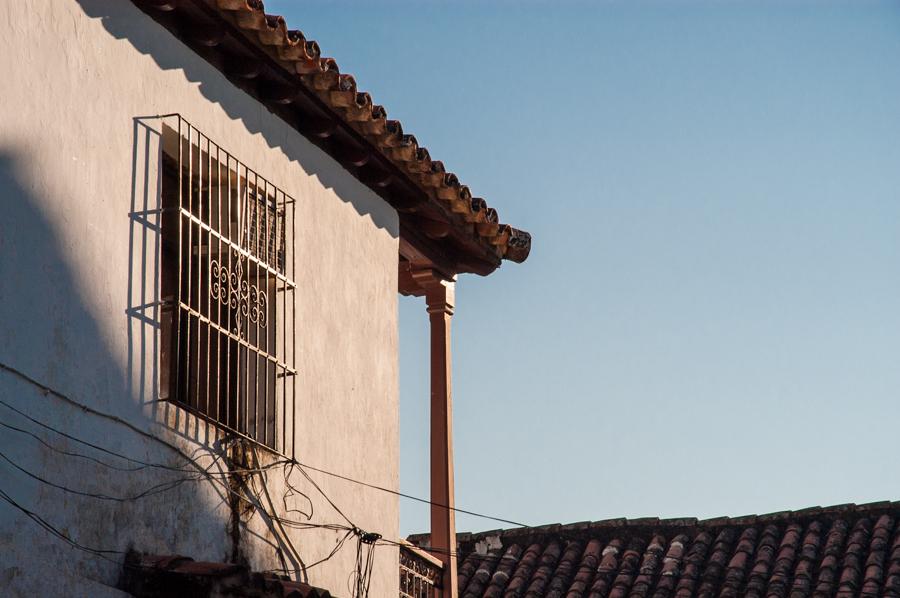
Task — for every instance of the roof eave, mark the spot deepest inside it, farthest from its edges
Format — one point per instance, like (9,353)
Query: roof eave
(452,231)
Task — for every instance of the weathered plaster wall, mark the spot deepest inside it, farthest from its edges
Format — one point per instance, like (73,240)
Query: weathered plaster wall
(78,285)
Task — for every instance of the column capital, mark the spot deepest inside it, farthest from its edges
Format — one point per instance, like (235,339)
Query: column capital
(440,293)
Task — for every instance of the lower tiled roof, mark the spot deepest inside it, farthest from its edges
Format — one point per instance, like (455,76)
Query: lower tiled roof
(165,576)
(842,551)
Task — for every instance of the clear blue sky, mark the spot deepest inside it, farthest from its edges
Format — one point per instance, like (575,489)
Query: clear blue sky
(709,322)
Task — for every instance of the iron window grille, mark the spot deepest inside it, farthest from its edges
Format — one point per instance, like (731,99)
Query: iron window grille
(228,291)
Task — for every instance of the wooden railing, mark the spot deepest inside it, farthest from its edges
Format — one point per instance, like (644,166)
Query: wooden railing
(420,573)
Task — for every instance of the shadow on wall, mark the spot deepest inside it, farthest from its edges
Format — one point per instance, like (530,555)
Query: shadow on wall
(131,489)
(49,334)
(144,273)
(124,21)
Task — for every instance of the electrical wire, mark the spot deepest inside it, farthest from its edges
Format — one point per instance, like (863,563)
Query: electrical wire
(366,542)
(365,560)
(140,464)
(71,453)
(325,496)
(196,475)
(303,570)
(364,557)
(153,490)
(432,550)
(156,489)
(409,496)
(162,487)
(364,566)
(286,472)
(49,390)
(98,552)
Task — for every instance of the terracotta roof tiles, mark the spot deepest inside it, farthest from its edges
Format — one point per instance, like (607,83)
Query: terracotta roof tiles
(286,69)
(834,552)
(158,576)
(505,569)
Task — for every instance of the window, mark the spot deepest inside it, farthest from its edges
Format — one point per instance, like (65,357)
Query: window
(227,289)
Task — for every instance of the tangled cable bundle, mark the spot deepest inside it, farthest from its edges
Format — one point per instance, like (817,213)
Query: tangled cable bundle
(190,470)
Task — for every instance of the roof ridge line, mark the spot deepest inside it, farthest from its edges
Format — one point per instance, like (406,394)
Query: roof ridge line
(828,512)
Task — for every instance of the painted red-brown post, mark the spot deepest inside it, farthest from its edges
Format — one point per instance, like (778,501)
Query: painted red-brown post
(439,297)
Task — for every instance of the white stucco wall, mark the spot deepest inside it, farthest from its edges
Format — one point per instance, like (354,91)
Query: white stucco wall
(78,274)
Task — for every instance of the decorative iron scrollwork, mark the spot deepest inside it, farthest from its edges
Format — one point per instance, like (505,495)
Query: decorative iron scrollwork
(418,577)
(233,291)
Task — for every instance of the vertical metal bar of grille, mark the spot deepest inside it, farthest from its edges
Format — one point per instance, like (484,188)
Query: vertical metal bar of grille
(263,306)
(254,231)
(225,266)
(252,327)
(242,231)
(197,191)
(283,340)
(292,260)
(209,257)
(218,377)
(231,342)
(190,225)
(175,382)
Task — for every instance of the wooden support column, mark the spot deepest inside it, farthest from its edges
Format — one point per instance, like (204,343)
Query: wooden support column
(439,297)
